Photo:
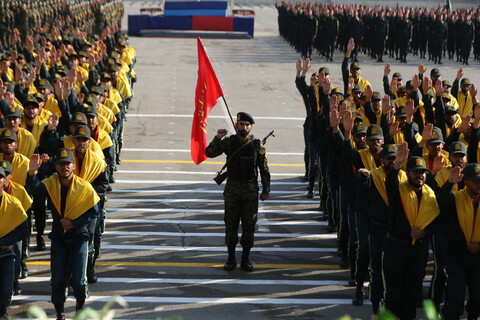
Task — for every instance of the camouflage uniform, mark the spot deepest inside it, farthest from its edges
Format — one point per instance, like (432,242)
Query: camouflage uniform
(241,191)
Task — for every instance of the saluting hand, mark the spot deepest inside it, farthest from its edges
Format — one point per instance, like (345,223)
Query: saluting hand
(456,175)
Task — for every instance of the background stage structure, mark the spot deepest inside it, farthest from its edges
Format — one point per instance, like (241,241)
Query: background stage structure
(207,19)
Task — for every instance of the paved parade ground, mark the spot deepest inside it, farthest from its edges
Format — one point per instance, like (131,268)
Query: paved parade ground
(163,249)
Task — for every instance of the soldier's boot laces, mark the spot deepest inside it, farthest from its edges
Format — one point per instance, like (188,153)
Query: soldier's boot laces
(231,262)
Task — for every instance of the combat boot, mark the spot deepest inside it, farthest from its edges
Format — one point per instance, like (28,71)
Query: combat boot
(79,305)
(59,309)
(246,264)
(358,297)
(231,262)
(41,243)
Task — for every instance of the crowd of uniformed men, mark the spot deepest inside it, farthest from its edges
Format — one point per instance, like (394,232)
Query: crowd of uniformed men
(66,81)
(398,171)
(396,31)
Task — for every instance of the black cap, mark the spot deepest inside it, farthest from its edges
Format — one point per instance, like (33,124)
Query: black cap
(2,172)
(243,116)
(402,89)
(9,86)
(435,72)
(64,155)
(98,90)
(357,115)
(376,96)
(416,163)
(451,109)
(90,110)
(44,84)
(12,112)
(409,85)
(446,83)
(8,134)
(472,172)
(437,136)
(357,89)
(359,128)
(388,151)
(31,100)
(355,65)
(397,75)
(82,132)
(106,75)
(39,97)
(457,147)
(324,70)
(446,96)
(79,117)
(91,99)
(401,112)
(374,132)
(6,166)
(465,81)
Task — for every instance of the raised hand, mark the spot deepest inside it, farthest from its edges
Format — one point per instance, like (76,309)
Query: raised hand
(221,133)
(387,70)
(427,132)
(460,74)
(401,155)
(421,69)
(348,120)
(427,84)
(456,175)
(53,121)
(386,106)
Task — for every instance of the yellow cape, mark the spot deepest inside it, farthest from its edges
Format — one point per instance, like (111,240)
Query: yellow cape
(11,214)
(469,222)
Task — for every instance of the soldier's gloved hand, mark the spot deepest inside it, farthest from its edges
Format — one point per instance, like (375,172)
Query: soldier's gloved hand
(264,196)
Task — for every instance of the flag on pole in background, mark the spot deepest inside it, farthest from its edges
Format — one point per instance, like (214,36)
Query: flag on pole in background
(206,96)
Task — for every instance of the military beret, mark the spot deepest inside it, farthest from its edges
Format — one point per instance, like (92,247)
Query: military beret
(243,116)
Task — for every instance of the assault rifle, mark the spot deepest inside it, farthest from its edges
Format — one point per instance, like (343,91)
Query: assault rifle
(221,176)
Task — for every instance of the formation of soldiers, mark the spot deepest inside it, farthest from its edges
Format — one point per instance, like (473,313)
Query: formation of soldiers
(64,94)
(398,172)
(30,17)
(382,30)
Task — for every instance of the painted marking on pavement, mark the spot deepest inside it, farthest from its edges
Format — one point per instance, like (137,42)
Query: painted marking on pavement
(214,222)
(194,172)
(211,162)
(188,151)
(203,200)
(274,183)
(171,210)
(213,234)
(193,191)
(140,115)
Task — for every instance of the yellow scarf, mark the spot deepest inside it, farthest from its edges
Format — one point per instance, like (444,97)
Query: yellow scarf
(112,105)
(115,95)
(19,192)
(367,159)
(379,175)
(92,166)
(37,129)
(442,177)
(469,222)
(362,82)
(26,142)
(20,165)
(52,105)
(44,115)
(123,87)
(94,146)
(103,139)
(11,214)
(457,124)
(80,197)
(104,124)
(465,104)
(422,216)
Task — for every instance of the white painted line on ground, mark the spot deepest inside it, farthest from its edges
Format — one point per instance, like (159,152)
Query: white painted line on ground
(272,183)
(140,115)
(171,210)
(212,249)
(203,200)
(195,173)
(212,234)
(188,151)
(194,191)
(214,222)
(211,281)
(201,300)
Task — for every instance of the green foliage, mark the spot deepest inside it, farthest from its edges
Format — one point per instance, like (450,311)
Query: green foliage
(383,314)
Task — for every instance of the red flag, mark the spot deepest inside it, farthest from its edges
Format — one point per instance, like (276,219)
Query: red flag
(206,95)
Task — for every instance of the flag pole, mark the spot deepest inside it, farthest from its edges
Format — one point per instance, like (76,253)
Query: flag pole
(229,113)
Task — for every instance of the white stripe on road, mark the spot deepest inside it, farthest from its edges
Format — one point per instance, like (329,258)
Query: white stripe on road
(203,201)
(212,249)
(200,182)
(188,151)
(170,210)
(201,300)
(193,191)
(194,172)
(140,115)
(214,222)
(210,281)
(213,234)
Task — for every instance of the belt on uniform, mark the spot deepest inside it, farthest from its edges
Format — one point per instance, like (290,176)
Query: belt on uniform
(406,242)
(59,229)
(6,248)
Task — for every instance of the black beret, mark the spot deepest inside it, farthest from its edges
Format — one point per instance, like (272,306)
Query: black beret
(243,116)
